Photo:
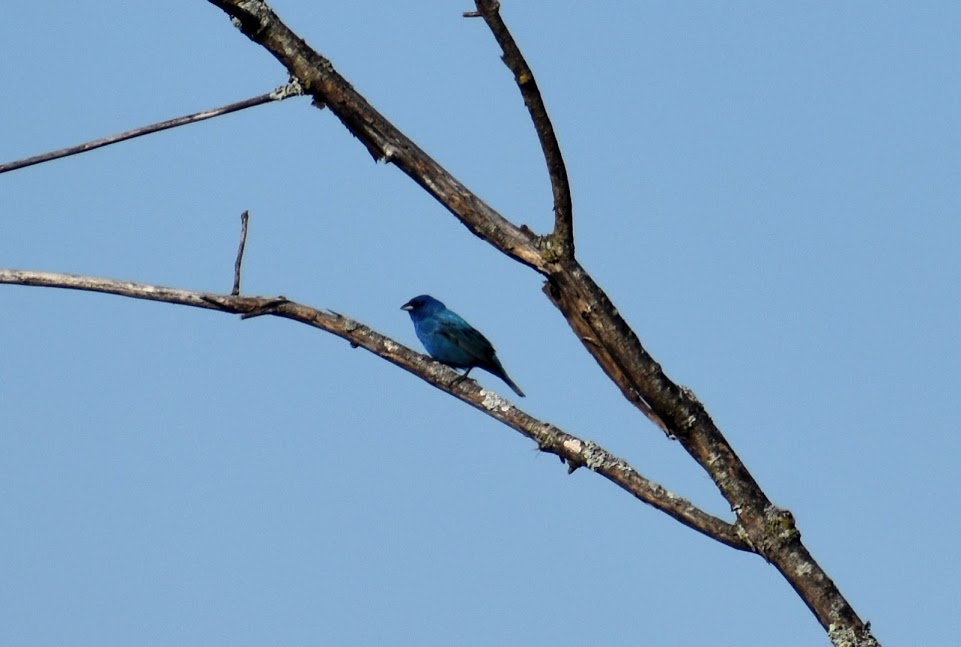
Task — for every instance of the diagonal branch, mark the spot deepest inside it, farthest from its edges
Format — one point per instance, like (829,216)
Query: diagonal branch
(605,334)
(549,438)
(283,92)
(381,138)
(524,77)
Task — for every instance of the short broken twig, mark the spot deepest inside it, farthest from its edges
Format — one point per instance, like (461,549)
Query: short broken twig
(244,217)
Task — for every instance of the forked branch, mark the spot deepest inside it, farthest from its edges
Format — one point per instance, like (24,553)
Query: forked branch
(592,315)
(562,241)
(761,527)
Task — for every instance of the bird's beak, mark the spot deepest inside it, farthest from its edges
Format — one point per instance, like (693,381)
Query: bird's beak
(407,306)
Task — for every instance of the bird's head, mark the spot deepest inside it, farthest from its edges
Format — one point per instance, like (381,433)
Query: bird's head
(422,305)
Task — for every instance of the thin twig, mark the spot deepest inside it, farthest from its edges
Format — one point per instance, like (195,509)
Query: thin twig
(280,93)
(244,217)
(575,451)
(524,77)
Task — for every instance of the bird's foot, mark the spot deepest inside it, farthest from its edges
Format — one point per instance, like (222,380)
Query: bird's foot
(457,380)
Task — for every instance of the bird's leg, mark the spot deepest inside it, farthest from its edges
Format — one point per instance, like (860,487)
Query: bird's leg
(460,378)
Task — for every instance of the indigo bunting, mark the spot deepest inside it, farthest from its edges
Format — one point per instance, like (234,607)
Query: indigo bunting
(451,340)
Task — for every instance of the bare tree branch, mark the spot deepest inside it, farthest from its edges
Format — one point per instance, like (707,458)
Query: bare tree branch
(283,92)
(604,333)
(591,314)
(563,238)
(761,526)
(550,439)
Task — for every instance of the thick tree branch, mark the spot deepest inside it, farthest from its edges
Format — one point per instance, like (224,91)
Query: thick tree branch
(562,242)
(381,138)
(619,352)
(283,92)
(769,529)
(571,449)
(604,333)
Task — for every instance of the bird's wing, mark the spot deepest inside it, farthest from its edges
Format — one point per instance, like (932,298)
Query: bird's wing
(465,336)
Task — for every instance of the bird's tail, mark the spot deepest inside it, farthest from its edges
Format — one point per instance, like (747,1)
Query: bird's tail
(499,371)
(511,384)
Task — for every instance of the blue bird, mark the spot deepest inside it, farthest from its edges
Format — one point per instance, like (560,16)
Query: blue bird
(451,340)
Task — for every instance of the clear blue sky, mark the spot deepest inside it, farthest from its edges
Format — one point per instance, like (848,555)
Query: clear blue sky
(770,195)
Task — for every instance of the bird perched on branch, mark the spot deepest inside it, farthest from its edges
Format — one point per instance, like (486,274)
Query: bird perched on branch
(451,340)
